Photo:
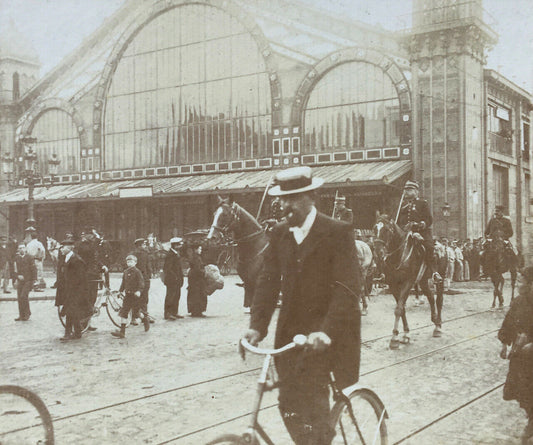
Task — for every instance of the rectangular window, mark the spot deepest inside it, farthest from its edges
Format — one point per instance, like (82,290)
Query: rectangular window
(500,181)
(525,142)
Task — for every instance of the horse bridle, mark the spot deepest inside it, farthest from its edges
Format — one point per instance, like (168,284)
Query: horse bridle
(234,219)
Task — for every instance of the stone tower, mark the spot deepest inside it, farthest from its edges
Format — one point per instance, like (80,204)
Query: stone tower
(19,70)
(447,47)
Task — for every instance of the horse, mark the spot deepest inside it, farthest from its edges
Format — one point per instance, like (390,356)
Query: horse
(234,222)
(52,247)
(499,258)
(364,254)
(402,256)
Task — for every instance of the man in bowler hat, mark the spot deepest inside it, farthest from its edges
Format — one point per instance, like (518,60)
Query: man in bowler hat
(312,258)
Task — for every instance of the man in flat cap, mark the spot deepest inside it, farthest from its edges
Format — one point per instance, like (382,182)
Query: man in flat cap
(312,258)
(173,279)
(415,215)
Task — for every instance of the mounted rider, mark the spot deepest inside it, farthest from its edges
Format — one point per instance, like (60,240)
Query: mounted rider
(415,215)
(498,227)
(341,212)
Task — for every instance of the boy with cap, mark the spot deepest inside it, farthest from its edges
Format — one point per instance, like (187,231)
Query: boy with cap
(132,285)
(143,264)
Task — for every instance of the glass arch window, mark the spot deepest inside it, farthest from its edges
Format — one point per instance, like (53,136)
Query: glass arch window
(191,87)
(56,132)
(353,107)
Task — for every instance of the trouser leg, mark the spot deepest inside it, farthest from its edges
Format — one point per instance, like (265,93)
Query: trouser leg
(25,300)
(169,300)
(305,412)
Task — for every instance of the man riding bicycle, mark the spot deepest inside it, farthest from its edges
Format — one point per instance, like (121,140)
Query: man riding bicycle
(312,259)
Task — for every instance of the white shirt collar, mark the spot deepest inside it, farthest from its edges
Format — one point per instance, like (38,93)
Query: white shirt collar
(68,256)
(300,233)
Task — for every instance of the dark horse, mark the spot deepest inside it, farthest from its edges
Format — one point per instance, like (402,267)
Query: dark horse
(239,225)
(499,258)
(402,256)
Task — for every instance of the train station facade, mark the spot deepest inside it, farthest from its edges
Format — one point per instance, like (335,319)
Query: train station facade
(171,103)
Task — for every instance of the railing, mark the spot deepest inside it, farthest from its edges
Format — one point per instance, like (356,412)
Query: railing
(500,144)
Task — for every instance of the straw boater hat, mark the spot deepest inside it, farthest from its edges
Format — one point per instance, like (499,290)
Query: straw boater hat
(139,240)
(176,240)
(340,199)
(295,180)
(411,185)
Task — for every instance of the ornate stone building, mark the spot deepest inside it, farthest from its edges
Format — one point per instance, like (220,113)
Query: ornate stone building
(170,103)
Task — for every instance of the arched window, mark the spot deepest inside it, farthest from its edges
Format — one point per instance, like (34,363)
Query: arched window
(191,87)
(16,86)
(354,106)
(56,132)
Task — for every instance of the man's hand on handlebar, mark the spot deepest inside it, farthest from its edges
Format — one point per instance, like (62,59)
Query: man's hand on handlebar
(251,336)
(318,341)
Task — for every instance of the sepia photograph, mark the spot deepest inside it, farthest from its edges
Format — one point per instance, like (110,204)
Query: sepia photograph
(256,222)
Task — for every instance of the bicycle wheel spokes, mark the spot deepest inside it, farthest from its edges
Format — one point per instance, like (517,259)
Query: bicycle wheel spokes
(24,418)
(367,427)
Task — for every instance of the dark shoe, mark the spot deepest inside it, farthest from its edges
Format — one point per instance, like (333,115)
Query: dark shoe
(92,328)
(118,334)
(170,318)
(146,322)
(151,319)
(134,322)
(22,319)
(76,336)
(178,316)
(66,337)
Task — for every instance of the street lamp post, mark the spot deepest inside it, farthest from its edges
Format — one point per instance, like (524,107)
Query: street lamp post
(27,164)
(446,214)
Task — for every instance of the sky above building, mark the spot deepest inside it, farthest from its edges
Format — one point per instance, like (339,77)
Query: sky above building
(57,27)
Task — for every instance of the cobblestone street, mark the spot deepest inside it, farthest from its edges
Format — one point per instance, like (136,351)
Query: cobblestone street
(165,385)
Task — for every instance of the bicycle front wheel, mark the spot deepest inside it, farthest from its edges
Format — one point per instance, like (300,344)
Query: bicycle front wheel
(364,423)
(113,305)
(24,418)
(63,320)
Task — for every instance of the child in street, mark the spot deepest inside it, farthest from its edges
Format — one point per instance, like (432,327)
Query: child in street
(132,285)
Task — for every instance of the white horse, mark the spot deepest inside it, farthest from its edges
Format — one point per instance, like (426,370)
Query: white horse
(364,254)
(52,246)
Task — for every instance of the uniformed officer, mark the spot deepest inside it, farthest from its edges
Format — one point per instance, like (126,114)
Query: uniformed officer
(342,212)
(499,226)
(415,215)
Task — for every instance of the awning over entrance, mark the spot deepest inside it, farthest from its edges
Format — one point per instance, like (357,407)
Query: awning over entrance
(362,174)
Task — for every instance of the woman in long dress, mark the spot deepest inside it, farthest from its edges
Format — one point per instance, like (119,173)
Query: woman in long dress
(517,330)
(196,290)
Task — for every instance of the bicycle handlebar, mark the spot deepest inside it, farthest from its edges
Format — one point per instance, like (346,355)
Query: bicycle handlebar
(298,341)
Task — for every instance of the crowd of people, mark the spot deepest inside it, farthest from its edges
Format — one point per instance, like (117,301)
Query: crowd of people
(311,260)
(82,270)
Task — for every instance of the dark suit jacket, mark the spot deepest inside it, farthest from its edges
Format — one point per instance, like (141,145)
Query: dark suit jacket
(143,263)
(417,211)
(75,287)
(313,276)
(502,225)
(173,270)
(25,266)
